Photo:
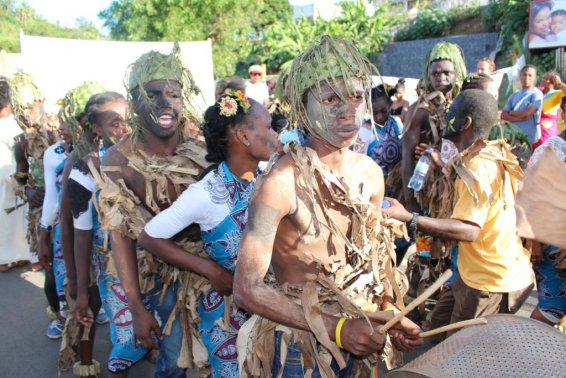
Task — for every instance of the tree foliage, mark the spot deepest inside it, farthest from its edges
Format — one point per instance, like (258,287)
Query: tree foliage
(430,23)
(230,24)
(15,17)
(283,40)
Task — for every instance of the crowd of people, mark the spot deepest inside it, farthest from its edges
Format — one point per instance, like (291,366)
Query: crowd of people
(264,237)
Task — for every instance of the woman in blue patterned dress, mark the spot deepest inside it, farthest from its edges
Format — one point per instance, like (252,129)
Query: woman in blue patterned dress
(106,114)
(238,136)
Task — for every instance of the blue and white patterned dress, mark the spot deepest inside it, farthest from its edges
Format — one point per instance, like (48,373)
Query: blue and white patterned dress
(219,204)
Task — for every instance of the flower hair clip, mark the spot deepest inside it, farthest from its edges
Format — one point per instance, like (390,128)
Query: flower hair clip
(243,100)
(229,104)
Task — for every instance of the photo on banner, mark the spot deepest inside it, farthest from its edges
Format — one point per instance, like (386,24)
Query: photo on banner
(547,24)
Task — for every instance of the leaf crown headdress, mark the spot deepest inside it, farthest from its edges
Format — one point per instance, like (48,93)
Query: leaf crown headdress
(446,51)
(24,92)
(154,65)
(327,59)
(73,109)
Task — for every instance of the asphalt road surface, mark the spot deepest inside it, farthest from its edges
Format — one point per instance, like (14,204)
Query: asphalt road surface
(25,351)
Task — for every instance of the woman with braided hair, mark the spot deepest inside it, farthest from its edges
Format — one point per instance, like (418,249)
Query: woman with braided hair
(238,136)
(106,115)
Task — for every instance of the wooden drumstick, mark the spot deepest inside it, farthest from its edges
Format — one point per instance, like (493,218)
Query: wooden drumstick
(418,300)
(453,326)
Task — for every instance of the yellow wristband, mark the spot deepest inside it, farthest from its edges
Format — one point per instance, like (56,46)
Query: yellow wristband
(339,331)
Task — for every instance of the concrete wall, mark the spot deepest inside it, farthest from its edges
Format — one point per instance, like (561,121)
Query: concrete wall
(406,59)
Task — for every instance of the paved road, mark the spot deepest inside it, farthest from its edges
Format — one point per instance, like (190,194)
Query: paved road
(25,351)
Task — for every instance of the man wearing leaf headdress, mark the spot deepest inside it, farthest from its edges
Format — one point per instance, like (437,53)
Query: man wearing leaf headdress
(28,107)
(27,104)
(140,176)
(443,75)
(315,223)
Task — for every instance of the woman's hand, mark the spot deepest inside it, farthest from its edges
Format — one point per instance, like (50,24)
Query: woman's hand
(220,278)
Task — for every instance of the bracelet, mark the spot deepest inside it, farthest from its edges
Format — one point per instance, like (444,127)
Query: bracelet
(339,331)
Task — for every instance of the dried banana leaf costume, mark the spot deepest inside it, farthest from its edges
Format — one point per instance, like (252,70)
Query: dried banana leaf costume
(342,290)
(35,140)
(437,105)
(172,292)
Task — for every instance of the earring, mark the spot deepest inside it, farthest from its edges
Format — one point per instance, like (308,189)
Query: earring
(247,143)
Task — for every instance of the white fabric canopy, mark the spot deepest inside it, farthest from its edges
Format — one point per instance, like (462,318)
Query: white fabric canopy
(58,64)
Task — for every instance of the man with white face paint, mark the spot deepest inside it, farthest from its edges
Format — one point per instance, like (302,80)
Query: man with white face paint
(316,236)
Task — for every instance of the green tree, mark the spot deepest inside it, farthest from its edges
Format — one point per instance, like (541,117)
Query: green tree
(16,17)
(283,40)
(228,23)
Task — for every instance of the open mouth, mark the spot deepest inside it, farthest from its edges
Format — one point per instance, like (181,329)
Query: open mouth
(165,121)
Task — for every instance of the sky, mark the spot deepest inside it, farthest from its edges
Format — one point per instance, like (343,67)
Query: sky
(66,12)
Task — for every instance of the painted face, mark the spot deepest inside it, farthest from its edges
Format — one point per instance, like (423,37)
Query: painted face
(558,23)
(336,115)
(111,122)
(33,114)
(483,67)
(263,139)
(528,78)
(442,75)
(541,23)
(381,108)
(162,113)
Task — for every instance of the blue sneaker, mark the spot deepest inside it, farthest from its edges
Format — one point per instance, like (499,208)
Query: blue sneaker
(55,329)
(102,318)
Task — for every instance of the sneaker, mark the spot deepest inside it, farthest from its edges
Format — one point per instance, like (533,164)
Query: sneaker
(55,329)
(102,318)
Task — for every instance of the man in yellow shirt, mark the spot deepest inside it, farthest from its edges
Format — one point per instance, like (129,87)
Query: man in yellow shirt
(495,274)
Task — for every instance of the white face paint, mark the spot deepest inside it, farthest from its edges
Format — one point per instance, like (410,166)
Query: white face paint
(336,118)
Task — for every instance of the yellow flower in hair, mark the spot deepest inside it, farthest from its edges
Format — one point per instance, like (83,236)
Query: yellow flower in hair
(228,106)
(244,102)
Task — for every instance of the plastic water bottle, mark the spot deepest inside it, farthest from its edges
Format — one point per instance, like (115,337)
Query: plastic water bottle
(419,175)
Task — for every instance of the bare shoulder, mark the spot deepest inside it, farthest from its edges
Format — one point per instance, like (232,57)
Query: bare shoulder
(276,186)
(280,172)
(365,165)
(114,156)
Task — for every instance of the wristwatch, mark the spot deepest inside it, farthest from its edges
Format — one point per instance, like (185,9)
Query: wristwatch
(413,227)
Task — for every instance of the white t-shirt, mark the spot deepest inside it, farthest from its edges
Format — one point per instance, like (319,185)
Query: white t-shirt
(259,91)
(205,203)
(52,157)
(83,217)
